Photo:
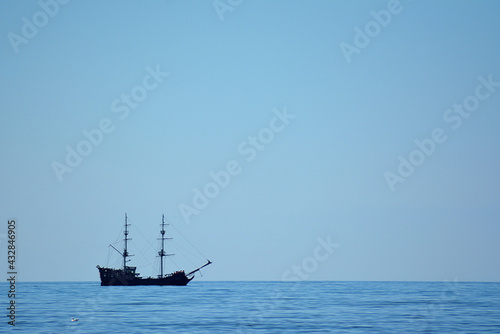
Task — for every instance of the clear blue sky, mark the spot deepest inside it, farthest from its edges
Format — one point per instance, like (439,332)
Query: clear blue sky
(323,174)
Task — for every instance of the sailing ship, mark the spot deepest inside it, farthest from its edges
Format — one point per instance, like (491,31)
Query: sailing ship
(128,275)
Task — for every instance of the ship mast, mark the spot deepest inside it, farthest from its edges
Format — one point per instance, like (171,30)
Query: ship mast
(162,253)
(125,252)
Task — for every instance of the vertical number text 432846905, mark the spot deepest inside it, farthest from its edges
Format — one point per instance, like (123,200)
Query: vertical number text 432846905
(12,272)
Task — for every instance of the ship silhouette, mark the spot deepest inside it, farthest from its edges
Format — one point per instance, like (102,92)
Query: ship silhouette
(128,275)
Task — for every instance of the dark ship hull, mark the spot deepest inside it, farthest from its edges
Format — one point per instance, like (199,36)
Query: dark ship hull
(111,277)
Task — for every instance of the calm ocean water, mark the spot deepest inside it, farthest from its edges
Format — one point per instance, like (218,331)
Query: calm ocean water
(258,307)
